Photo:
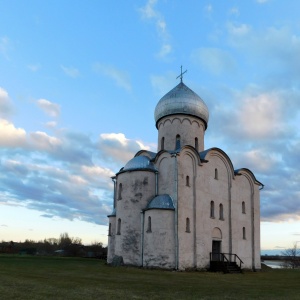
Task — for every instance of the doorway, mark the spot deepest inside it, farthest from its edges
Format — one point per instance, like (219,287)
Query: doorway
(216,250)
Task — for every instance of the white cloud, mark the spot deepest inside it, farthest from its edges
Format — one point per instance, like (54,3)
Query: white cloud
(70,71)
(34,67)
(10,136)
(118,148)
(148,12)
(50,108)
(6,106)
(163,83)
(42,141)
(213,60)
(234,11)
(51,124)
(5,45)
(260,116)
(121,78)
(262,1)
(208,8)
(238,30)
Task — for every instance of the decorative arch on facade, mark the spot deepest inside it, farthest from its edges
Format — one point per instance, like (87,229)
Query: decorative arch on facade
(171,119)
(188,150)
(216,233)
(204,155)
(250,176)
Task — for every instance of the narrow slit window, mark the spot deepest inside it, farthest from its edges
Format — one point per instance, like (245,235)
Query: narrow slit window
(162,143)
(120,191)
(212,209)
(221,215)
(243,207)
(149,229)
(109,229)
(119,227)
(177,142)
(187,180)
(196,144)
(244,233)
(216,174)
(187,225)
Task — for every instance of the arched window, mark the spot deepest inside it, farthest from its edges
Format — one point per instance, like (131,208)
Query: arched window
(177,142)
(221,215)
(187,225)
(149,225)
(119,227)
(120,191)
(243,207)
(212,209)
(196,144)
(187,180)
(109,229)
(216,174)
(244,233)
(162,143)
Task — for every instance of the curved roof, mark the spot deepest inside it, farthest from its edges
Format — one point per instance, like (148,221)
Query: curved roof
(161,202)
(181,100)
(113,213)
(139,163)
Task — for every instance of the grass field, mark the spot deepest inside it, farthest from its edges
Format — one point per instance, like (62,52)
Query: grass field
(31,277)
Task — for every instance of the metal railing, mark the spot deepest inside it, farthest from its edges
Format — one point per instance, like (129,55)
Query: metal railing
(226,257)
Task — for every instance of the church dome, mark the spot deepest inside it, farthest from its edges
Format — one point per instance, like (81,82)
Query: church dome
(181,100)
(139,163)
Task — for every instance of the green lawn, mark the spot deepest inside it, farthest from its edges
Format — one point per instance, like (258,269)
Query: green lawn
(29,277)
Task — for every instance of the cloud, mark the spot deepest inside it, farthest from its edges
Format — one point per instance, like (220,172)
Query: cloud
(213,60)
(121,78)
(208,8)
(34,67)
(149,12)
(10,136)
(163,83)
(42,141)
(50,108)
(262,1)
(234,11)
(117,148)
(70,71)
(6,106)
(5,46)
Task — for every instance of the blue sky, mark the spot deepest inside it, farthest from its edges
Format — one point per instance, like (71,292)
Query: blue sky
(79,82)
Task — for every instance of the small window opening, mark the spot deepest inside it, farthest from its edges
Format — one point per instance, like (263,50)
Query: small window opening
(149,229)
(187,225)
(120,191)
(221,215)
(216,174)
(212,209)
(177,142)
(187,180)
(244,233)
(243,207)
(162,143)
(119,227)
(109,229)
(196,144)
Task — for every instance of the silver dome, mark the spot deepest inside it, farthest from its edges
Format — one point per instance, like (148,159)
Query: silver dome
(139,162)
(161,202)
(181,100)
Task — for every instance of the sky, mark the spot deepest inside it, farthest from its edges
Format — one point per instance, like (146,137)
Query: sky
(79,82)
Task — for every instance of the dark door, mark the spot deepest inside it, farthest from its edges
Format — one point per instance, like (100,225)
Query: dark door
(216,250)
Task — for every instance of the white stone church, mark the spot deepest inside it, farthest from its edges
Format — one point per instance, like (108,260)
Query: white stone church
(184,206)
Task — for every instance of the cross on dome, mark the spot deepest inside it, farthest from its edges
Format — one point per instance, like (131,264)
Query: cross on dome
(181,74)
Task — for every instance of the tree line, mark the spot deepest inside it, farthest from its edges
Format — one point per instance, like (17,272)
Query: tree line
(62,246)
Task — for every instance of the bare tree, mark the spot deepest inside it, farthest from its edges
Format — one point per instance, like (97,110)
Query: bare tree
(291,257)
